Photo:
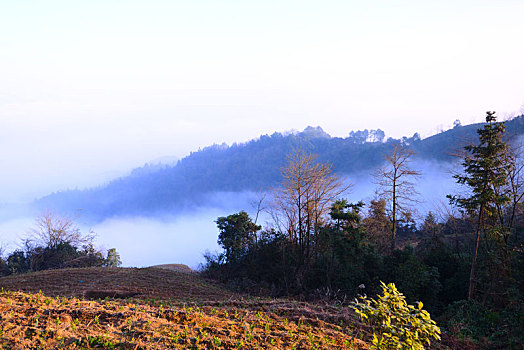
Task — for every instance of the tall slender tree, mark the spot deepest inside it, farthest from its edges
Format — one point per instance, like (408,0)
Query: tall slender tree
(486,171)
(396,186)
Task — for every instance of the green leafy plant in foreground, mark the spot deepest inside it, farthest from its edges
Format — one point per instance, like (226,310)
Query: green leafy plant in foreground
(399,325)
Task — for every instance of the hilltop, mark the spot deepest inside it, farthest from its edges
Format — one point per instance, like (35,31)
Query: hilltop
(251,166)
(149,282)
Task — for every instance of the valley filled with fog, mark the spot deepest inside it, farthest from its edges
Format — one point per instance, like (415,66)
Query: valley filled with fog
(184,235)
(165,213)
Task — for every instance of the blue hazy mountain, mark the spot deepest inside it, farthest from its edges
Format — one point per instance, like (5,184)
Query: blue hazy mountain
(250,166)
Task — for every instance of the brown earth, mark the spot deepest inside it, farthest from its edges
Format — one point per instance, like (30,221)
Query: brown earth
(144,283)
(176,267)
(156,308)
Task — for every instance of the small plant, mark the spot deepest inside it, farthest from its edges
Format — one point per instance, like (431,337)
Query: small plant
(217,341)
(400,326)
(249,337)
(100,342)
(176,338)
(203,333)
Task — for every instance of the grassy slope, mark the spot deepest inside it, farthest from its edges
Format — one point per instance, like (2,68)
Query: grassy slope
(170,310)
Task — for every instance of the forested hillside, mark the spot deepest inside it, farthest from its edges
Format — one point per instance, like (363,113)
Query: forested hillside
(251,166)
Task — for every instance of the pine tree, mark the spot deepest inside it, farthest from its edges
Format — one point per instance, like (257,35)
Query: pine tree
(486,170)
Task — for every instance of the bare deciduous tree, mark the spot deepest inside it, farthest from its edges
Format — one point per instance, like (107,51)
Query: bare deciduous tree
(395,185)
(52,230)
(300,207)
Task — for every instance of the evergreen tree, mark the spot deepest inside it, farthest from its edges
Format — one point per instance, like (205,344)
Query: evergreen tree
(486,170)
(376,224)
(113,258)
(237,231)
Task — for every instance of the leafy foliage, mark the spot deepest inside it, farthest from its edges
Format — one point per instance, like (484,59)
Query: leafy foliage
(493,328)
(237,231)
(400,326)
(348,252)
(417,280)
(18,262)
(113,258)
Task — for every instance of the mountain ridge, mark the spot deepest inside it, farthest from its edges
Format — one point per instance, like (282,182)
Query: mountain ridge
(251,166)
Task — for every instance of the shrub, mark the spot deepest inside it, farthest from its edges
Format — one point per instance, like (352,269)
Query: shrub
(18,262)
(64,255)
(113,258)
(4,269)
(417,280)
(491,327)
(399,325)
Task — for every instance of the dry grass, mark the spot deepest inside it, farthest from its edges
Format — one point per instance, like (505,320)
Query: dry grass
(171,311)
(145,283)
(175,267)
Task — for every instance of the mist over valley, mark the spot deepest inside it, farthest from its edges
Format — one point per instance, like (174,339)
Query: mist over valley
(162,213)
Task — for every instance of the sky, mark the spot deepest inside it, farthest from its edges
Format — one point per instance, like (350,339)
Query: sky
(91,89)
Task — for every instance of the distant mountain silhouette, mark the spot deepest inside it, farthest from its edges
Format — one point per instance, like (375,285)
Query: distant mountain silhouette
(254,165)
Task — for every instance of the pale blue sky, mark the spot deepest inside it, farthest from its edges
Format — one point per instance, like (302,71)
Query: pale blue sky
(91,89)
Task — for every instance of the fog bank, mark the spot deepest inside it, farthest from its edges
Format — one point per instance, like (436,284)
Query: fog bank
(184,236)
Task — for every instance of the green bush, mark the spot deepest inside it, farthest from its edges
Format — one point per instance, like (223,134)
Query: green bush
(417,280)
(18,262)
(491,327)
(399,325)
(4,269)
(112,259)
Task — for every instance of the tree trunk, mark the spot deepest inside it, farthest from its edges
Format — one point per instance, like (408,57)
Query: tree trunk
(474,263)
(394,218)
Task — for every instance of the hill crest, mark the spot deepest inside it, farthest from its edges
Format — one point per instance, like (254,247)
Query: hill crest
(250,166)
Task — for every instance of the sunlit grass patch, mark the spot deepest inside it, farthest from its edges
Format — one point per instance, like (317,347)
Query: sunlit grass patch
(34,320)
